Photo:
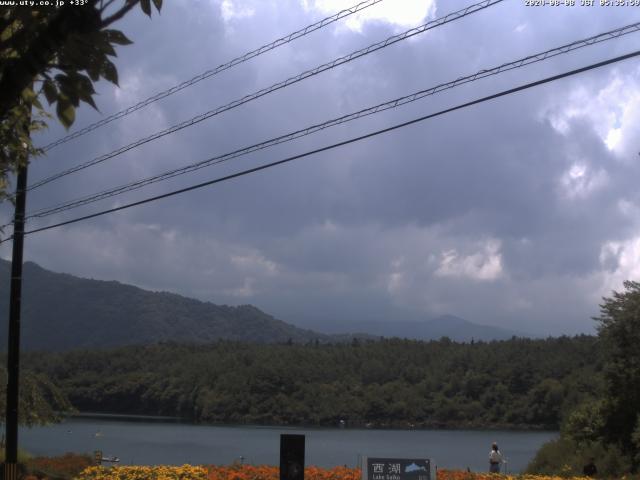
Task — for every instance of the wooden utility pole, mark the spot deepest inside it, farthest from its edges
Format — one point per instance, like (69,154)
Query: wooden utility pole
(13,359)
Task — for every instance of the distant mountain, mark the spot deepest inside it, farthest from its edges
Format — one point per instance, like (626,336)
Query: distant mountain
(455,328)
(61,311)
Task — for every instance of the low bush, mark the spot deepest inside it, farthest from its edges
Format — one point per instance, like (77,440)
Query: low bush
(564,457)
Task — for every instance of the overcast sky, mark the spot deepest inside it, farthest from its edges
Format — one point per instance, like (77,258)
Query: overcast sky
(521,212)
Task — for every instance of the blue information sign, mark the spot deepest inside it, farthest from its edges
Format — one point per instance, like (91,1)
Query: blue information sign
(398,469)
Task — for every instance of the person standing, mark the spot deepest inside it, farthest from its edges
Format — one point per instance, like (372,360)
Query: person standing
(495,459)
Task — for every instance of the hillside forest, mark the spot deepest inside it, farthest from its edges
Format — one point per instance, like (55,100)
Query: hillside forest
(588,387)
(400,383)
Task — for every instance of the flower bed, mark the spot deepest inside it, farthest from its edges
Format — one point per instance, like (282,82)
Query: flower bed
(462,475)
(251,472)
(64,466)
(266,472)
(235,472)
(161,472)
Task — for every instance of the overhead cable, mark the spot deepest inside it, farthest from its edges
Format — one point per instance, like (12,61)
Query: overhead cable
(220,68)
(277,86)
(538,57)
(339,144)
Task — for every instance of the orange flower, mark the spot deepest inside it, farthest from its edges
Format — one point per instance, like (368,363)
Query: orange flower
(444,474)
(267,472)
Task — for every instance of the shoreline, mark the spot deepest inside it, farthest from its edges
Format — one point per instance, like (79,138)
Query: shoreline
(133,418)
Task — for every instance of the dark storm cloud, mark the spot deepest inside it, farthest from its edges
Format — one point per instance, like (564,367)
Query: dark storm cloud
(513,212)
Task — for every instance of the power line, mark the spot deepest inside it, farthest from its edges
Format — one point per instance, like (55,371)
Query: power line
(277,86)
(340,144)
(538,57)
(220,68)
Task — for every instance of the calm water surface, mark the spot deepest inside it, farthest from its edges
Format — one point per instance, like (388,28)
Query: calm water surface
(151,443)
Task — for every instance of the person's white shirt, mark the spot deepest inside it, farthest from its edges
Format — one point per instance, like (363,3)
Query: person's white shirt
(495,456)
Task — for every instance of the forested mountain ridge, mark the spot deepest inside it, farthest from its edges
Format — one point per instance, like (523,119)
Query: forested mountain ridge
(456,328)
(515,383)
(61,312)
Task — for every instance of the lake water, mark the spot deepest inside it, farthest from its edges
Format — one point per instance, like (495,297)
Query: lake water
(153,442)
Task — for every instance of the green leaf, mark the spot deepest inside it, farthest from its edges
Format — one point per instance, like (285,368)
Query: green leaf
(94,66)
(36,103)
(146,6)
(109,72)
(76,87)
(158,4)
(87,98)
(50,91)
(9,31)
(102,43)
(83,83)
(28,95)
(107,48)
(68,88)
(66,112)
(117,37)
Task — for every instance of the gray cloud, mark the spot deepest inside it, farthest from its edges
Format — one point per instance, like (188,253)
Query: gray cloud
(514,213)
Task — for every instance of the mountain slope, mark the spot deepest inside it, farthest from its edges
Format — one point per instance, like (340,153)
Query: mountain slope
(60,311)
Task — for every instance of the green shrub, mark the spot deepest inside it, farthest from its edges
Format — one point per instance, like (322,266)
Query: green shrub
(566,458)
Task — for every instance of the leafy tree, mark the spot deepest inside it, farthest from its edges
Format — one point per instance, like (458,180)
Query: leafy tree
(606,427)
(40,402)
(619,331)
(57,53)
(585,424)
(545,402)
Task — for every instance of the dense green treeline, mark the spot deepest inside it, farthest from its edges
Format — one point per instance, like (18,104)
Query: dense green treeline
(518,383)
(605,429)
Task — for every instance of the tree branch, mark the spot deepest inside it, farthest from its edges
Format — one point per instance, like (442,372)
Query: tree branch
(120,13)
(106,5)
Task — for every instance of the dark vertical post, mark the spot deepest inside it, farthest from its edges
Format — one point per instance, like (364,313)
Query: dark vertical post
(291,457)
(13,360)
